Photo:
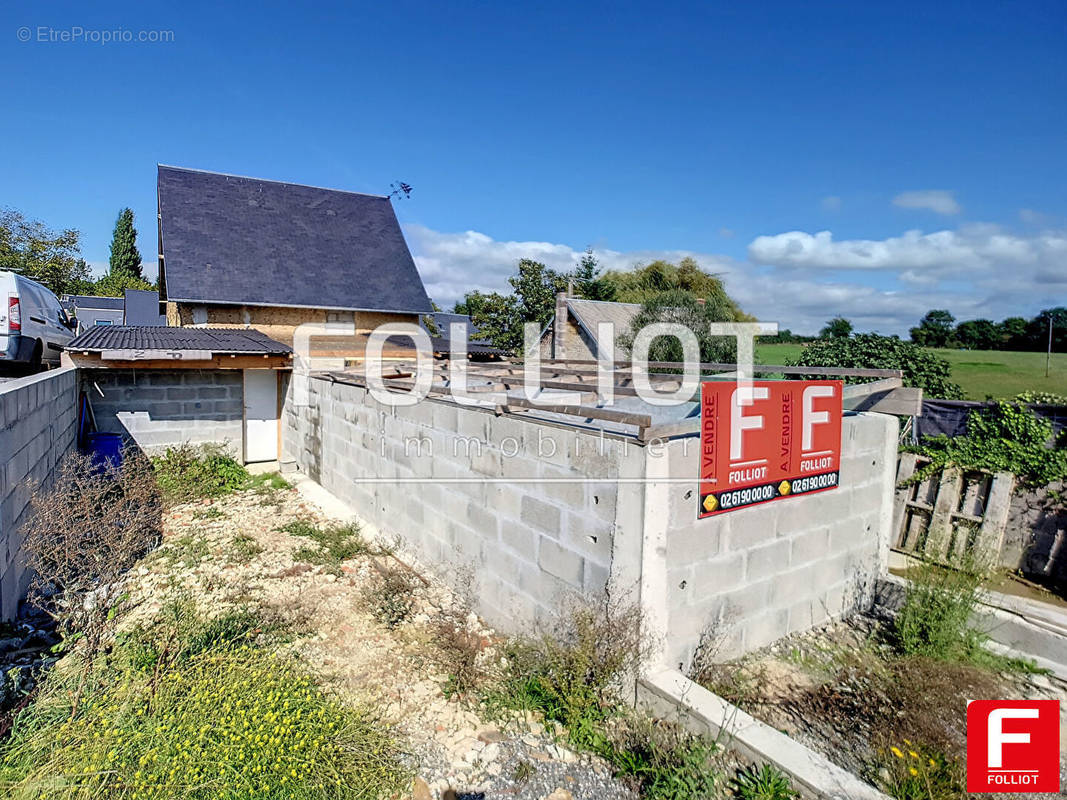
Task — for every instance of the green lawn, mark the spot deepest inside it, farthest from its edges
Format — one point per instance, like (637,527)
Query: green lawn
(981,373)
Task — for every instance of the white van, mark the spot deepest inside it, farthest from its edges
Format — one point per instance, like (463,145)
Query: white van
(33,325)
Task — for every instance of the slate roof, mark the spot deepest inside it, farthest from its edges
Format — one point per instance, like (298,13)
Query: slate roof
(589,313)
(245,241)
(217,340)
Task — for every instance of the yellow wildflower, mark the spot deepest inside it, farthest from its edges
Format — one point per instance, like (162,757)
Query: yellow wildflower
(897,751)
(913,771)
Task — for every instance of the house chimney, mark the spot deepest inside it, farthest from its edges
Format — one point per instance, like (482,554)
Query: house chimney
(559,326)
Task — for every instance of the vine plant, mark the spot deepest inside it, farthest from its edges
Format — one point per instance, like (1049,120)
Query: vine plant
(1005,437)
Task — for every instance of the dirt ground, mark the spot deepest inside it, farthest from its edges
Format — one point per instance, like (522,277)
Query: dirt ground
(843,692)
(229,554)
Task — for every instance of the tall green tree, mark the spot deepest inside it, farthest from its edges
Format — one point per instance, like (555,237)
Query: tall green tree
(50,257)
(837,328)
(496,316)
(978,334)
(935,329)
(682,307)
(588,282)
(125,257)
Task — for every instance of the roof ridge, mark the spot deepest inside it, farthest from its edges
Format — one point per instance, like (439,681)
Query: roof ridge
(270,180)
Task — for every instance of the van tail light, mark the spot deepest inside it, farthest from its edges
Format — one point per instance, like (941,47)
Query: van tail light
(14,314)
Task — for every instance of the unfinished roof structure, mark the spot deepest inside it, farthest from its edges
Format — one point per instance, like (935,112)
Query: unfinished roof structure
(229,240)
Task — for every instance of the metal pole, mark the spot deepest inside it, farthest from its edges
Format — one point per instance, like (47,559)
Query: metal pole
(1048,355)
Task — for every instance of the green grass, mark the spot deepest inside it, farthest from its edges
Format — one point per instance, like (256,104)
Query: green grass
(997,373)
(193,712)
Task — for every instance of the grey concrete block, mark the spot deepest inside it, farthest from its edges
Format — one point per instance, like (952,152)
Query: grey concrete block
(541,515)
(809,546)
(767,560)
(557,560)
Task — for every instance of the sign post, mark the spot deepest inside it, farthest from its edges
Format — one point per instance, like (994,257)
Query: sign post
(767,440)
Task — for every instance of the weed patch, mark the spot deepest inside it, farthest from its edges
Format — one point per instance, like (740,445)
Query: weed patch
(188,472)
(244,548)
(935,620)
(573,676)
(235,723)
(391,598)
(763,783)
(332,544)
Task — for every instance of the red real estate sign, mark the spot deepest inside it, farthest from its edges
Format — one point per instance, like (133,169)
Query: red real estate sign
(1013,746)
(767,440)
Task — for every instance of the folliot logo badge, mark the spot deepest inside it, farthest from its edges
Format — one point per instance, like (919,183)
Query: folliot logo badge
(1013,746)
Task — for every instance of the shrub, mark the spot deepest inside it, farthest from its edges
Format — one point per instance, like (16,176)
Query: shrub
(920,367)
(572,674)
(232,723)
(83,533)
(188,472)
(765,783)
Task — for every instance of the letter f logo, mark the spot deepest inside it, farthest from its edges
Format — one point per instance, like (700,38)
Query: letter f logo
(998,738)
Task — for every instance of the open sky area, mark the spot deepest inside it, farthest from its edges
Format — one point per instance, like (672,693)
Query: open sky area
(869,160)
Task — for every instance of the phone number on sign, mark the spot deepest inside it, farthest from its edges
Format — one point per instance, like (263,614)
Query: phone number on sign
(814,483)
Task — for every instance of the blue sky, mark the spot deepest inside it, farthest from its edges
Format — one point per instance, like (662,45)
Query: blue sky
(870,160)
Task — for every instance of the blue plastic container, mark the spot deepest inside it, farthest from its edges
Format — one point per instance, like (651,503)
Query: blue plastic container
(105,449)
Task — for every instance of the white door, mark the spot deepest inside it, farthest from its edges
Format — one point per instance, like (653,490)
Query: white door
(261,415)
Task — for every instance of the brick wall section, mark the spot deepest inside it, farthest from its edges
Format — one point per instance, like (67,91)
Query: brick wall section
(37,427)
(161,408)
(518,546)
(754,575)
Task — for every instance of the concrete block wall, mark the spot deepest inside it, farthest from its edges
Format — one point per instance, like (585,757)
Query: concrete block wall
(522,513)
(37,428)
(162,408)
(748,577)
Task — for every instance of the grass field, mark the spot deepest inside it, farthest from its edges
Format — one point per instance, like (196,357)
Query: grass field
(981,373)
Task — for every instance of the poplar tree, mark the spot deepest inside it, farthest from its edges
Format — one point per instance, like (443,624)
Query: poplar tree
(125,258)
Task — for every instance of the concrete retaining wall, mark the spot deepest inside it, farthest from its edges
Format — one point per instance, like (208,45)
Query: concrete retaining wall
(552,523)
(161,408)
(37,427)
(751,576)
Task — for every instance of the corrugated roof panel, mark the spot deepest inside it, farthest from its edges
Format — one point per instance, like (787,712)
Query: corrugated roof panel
(217,340)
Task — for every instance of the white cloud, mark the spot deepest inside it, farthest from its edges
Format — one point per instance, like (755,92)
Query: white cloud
(831,203)
(974,247)
(796,278)
(452,264)
(726,233)
(940,201)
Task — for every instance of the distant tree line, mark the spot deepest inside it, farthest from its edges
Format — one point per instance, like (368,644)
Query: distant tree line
(940,329)
(53,258)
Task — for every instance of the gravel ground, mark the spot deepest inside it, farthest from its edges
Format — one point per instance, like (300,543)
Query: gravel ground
(456,751)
